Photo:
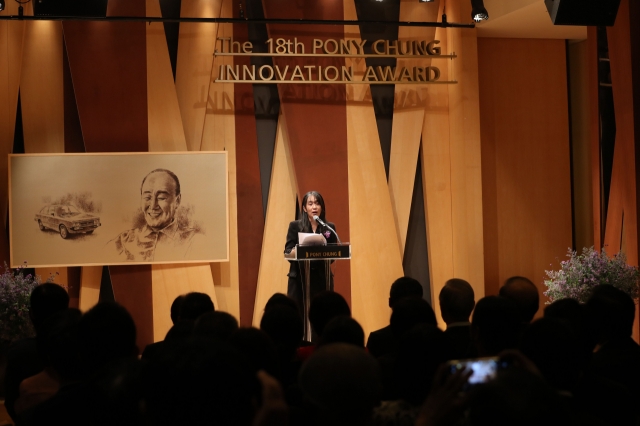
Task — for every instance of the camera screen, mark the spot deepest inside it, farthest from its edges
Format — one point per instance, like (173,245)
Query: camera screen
(483,369)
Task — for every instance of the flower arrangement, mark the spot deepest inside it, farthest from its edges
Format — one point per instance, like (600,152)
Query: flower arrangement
(578,275)
(15,290)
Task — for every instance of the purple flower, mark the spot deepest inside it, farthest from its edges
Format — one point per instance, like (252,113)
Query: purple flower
(327,234)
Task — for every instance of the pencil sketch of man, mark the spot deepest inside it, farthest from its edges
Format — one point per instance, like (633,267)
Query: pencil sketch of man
(160,237)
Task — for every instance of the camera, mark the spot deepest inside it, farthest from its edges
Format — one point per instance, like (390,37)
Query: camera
(484,369)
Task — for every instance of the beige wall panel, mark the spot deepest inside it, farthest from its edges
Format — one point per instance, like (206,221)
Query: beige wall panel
(41,90)
(464,135)
(581,148)
(59,275)
(376,261)
(11,38)
(272,277)
(527,121)
(196,44)
(165,123)
(436,178)
(408,116)
(90,279)
(219,135)
(169,282)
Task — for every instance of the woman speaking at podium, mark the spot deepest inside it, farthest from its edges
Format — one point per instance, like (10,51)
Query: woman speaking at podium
(320,276)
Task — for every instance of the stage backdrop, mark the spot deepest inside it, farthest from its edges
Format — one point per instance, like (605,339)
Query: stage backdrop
(83,209)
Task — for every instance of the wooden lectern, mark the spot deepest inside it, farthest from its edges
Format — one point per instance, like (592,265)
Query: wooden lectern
(317,253)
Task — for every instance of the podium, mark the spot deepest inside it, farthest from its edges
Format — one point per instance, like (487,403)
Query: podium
(305,254)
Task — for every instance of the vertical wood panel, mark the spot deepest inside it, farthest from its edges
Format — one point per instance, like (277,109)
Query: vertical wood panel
(250,213)
(408,117)
(525,134)
(282,195)
(436,177)
(170,281)
(166,134)
(165,122)
(109,70)
(11,38)
(594,134)
(220,134)
(90,280)
(196,44)
(41,87)
(466,173)
(377,259)
(621,230)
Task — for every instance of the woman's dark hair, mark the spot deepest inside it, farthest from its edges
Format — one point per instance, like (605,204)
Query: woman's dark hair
(306,225)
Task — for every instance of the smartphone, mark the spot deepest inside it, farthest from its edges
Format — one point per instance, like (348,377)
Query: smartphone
(484,369)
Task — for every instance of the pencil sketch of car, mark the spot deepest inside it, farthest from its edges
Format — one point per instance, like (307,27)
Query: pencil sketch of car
(66,220)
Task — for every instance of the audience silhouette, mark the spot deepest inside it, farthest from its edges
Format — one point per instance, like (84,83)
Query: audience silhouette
(578,365)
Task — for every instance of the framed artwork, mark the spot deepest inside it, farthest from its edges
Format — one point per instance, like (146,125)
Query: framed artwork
(120,208)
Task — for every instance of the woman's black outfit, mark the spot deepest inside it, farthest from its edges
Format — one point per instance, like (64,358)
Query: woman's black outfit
(319,268)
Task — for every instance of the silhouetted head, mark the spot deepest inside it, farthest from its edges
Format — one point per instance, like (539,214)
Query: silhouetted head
(194,305)
(516,397)
(341,384)
(106,333)
(203,382)
(495,325)
(409,312)
(456,301)
(554,348)
(58,344)
(421,350)
(216,325)
(575,315)
(284,327)
(324,307)
(404,287)
(611,313)
(175,308)
(280,299)
(525,293)
(258,348)
(46,299)
(342,329)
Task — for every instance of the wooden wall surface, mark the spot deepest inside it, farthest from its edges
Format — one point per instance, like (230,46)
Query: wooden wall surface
(493,150)
(526,179)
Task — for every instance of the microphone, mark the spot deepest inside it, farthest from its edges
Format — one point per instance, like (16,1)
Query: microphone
(317,219)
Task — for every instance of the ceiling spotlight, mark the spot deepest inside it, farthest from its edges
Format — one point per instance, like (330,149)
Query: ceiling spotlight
(478,11)
(1,5)
(426,1)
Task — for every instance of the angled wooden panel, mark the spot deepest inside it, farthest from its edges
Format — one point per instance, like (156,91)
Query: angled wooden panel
(165,123)
(464,136)
(170,281)
(272,277)
(319,150)
(90,280)
(377,260)
(594,133)
(41,87)
(249,188)
(220,135)
(108,65)
(196,44)
(11,37)
(527,120)
(436,178)
(166,134)
(408,117)
(621,230)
